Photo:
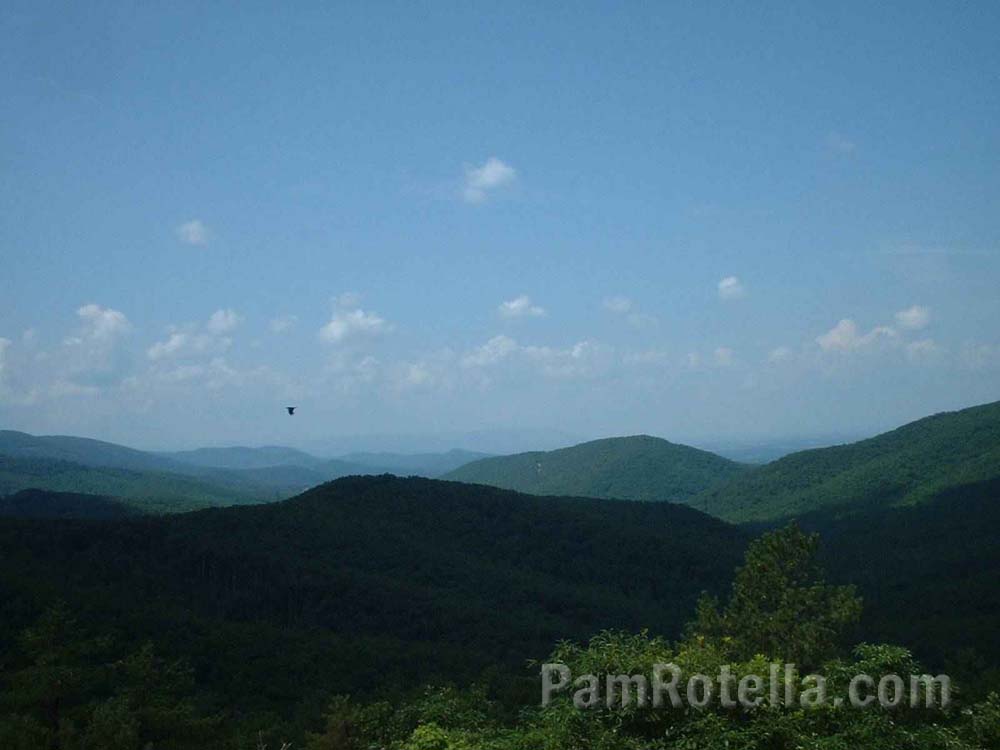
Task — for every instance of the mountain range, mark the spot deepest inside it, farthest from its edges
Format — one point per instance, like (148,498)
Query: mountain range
(378,585)
(187,480)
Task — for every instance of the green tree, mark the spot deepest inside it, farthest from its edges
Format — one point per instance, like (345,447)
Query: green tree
(780,605)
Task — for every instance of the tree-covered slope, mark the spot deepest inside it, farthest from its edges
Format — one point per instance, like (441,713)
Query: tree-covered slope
(905,466)
(47,504)
(150,491)
(368,574)
(79,450)
(927,573)
(629,468)
(162,482)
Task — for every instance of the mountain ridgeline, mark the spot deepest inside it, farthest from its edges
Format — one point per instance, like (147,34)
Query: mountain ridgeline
(189,480)
(906,466)
(627,468)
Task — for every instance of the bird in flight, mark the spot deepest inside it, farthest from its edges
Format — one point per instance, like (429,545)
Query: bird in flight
(291,409)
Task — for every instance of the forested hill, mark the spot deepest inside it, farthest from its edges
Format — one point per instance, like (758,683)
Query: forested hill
(630,468)
(47,504)
(936,562)
(149,491)
(82,451)
(905,466)
(367,574)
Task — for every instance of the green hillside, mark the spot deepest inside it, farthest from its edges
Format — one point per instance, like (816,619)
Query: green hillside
(83,451)
(905,466)
(150,491)
(629,468)
(164,482)
(369,579)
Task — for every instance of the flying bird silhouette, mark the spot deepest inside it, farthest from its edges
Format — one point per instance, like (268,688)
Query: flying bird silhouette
(291,409)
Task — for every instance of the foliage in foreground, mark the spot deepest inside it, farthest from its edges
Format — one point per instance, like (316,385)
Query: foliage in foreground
(779,611)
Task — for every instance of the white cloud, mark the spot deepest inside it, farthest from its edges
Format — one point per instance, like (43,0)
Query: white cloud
(723,356)
(493,351)
(779,354)
(282,323)
(223,321)
(581,359)
(174,343)
(92,352)
(194,341)
(913,318)
(415,375)
(619,305)
(731,288)
(102,323)
(193,232)
(347,324)
(483,180)
(842,337)
(845,336)
(520,307)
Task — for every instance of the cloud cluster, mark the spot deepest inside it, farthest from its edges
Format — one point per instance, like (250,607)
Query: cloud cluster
(349,321)
(91,354)
(585,358)
(845,336)
(913,318)
(193,232)
(484,180)
(191,359)
(520,307)
(731,288)
(195,341)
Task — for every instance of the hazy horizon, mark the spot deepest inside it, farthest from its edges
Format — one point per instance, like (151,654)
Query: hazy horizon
(700,224)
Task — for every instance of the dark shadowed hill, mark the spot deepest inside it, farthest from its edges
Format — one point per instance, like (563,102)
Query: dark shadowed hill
(928,573)
(629,468)
(366,574)
(46,504)
(905,466)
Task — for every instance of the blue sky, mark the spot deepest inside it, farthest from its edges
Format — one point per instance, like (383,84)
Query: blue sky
(682,219)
